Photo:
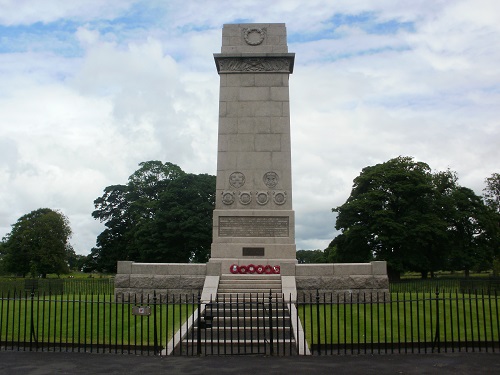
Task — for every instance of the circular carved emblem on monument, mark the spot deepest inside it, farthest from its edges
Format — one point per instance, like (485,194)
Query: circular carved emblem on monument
(228,197)
(245,197)
(237,179)
(262,197)
(271,179)
(279,197)
(254,36)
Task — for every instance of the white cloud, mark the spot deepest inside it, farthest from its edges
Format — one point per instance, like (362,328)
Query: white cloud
(140,84)
(24,12)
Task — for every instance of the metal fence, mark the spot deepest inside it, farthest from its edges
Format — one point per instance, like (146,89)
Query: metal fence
(19,286)
(320,324)
(489,285)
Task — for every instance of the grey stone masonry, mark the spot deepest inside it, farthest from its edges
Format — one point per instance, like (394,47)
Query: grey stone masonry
(254,179)
(143,280)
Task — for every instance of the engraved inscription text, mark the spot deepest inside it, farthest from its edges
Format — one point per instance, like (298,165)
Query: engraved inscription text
(253,226)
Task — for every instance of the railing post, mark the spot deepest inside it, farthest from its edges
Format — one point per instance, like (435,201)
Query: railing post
(437,337)
(318,323)
(32,321)
(154,324)
(198,330)
(271,334)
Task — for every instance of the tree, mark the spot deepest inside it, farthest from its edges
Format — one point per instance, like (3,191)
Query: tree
(391,215)
(76,261)
(311,256)
(181,230)
(491,193)
(473,232)
(491,196)
(416,220)
(38,244)
(162,215)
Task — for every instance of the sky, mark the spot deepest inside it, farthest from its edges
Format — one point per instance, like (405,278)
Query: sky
(91,88)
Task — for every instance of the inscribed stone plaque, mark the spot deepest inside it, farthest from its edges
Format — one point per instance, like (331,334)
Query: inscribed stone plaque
(253,226)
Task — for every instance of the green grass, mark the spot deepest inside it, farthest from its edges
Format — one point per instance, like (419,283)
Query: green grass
(92,320)
(412,318)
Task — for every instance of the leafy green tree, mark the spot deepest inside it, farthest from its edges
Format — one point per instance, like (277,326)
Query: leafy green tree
(311,256)
(473,231)
(161,215)
(38,244)
(491,196)
(491,193)
(181,230)
(391,215)
(400,212)
(75,261)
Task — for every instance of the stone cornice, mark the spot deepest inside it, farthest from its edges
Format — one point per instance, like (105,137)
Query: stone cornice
(249,63)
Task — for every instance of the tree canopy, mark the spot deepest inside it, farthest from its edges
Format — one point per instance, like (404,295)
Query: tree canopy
(491,192)
(416,220)
(311,256)
(38,244)
(162,215)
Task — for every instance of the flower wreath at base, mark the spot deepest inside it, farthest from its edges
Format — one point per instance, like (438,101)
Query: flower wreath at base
(251,268)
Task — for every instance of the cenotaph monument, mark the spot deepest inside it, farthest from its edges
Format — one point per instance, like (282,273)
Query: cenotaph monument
(253,221)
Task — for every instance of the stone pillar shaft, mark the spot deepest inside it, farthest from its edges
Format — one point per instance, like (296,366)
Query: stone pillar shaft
(253,219)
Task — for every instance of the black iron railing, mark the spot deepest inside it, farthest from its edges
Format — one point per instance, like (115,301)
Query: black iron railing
(317,323)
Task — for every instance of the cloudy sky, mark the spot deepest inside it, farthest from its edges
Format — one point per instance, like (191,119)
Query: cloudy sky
(91,88)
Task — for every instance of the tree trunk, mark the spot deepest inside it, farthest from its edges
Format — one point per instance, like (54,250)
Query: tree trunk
(393,274)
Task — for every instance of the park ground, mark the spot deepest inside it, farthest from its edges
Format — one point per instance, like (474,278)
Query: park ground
(41,363)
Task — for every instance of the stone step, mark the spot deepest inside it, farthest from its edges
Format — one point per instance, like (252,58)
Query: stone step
(245,289)
(252,276)
(279,320)
(247,307)
(244,333)
(237,347)
(246,296)
(261,284)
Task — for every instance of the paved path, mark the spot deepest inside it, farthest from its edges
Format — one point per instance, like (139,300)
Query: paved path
(38,363)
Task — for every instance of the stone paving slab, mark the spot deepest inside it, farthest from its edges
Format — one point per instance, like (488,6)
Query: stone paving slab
(40,363)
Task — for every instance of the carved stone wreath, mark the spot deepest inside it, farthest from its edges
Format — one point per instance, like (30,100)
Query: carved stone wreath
(228,197)
(237,179)
(254,36)
(245,197)
(279,197)
(262,197)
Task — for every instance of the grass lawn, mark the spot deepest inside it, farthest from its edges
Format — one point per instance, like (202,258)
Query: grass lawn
(407,318)
(91,320)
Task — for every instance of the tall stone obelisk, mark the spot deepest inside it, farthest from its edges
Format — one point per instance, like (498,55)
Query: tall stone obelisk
(253,221)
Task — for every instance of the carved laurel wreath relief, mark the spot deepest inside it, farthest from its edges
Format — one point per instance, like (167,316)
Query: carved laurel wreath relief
(228,197)
(245,197)
(254,36)
(262,197)
(279,197)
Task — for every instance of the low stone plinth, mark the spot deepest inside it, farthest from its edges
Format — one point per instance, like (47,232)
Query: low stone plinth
(136,282)
(341,282)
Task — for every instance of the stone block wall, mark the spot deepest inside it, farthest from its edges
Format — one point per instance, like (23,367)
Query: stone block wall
(333,281)
(339,282)
(140,280)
